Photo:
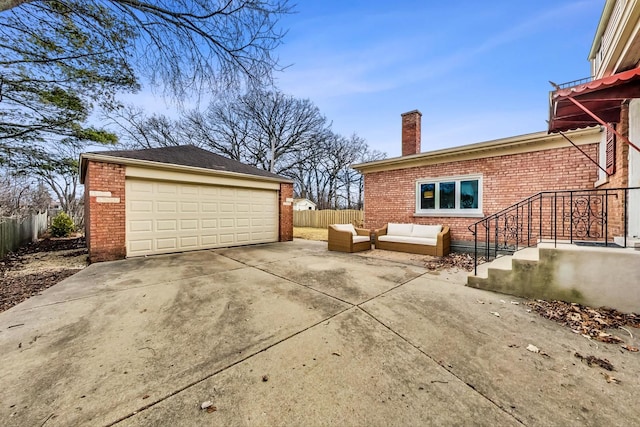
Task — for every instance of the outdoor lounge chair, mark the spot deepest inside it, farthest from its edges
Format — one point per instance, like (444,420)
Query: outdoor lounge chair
(347,238)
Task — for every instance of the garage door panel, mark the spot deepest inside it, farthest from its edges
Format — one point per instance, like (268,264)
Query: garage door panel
(227,223)
(208,207)
(211,240)
(227,207)
(167,217)
(164,206)
(188,207)
(188,242)
(167,188)
(188,224)
(140,246)
(143,225)
(209,224)
(141,206)
(166,225)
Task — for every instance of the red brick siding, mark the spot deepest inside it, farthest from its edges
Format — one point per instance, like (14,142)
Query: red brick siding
(286,213)
(390,195)
(620,178)
(105,222)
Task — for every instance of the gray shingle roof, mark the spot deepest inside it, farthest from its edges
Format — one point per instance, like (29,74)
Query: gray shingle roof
(190,155)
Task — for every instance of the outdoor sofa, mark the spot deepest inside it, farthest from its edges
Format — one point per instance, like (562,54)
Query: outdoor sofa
(414,238)
(347,238)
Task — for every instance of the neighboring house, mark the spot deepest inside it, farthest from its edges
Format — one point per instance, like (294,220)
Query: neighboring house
(461,185)
(303,205)
(175,199)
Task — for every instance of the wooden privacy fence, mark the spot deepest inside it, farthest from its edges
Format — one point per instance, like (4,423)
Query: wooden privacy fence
(16,231)
(321,219)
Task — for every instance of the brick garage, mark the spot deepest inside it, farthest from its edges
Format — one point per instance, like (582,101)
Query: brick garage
(511,170)
(174,199)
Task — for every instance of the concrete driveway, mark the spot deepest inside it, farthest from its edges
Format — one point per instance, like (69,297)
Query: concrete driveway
(290,334)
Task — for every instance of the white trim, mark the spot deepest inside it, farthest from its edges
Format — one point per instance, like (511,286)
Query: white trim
(500,147)
(477,212)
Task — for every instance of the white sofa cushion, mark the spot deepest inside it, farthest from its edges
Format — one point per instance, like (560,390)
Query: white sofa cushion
(394,229)
(346,227)
(429,231)
(360,239)
(408,239)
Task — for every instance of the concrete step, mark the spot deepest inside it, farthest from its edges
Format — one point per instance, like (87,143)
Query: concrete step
(501,267)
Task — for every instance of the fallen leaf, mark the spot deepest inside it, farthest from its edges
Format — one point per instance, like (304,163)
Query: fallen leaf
(630,348)
(211,409)
(610,378)
(592,360)
(532,348)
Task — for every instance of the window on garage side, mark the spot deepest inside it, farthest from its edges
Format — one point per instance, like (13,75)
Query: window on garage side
(451,196)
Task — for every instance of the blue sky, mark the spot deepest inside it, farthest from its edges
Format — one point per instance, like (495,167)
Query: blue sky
(477,70)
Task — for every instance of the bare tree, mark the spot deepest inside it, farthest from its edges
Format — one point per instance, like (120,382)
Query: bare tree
(61,59)
(20,195)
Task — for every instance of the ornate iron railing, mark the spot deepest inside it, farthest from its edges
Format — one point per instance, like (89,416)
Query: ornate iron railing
(572,216)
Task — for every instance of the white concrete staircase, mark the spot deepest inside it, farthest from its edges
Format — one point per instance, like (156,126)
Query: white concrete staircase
(501,267)
(596,276)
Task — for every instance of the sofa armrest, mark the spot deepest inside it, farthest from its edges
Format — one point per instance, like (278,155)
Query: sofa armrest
(444,241)
(363,232)
(380,232)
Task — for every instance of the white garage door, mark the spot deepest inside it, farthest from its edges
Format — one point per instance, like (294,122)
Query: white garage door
(164,217)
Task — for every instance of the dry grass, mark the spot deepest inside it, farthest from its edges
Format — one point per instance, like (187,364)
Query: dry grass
(309,233)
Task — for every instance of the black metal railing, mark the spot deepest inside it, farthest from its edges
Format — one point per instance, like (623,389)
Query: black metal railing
(573,216)
(575,82)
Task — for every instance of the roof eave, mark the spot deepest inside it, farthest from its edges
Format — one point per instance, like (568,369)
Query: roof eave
(85,157)
(466,150)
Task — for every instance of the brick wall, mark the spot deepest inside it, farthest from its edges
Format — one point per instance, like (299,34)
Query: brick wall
(105,211)
(620,178)
(286,213)
(390,196)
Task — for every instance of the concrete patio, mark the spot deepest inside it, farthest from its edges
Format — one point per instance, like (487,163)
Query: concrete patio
(290,334)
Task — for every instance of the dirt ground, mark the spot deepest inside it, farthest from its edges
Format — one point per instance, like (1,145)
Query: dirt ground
(308,233)
(38,266)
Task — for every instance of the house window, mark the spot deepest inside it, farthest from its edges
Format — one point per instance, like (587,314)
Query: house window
(455,196)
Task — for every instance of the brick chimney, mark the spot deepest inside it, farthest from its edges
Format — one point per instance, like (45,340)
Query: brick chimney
(411,132)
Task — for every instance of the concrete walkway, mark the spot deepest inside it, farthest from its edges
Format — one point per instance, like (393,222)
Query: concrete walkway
(290,334)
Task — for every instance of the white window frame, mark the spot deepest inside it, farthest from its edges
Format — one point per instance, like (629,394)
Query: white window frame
(457,212)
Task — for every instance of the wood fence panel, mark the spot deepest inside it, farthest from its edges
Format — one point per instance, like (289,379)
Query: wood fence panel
(322,218)
(15,232)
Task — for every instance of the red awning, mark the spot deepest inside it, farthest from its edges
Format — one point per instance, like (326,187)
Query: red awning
(602,97)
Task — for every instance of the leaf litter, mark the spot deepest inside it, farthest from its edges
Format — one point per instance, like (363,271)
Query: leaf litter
(589,322)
